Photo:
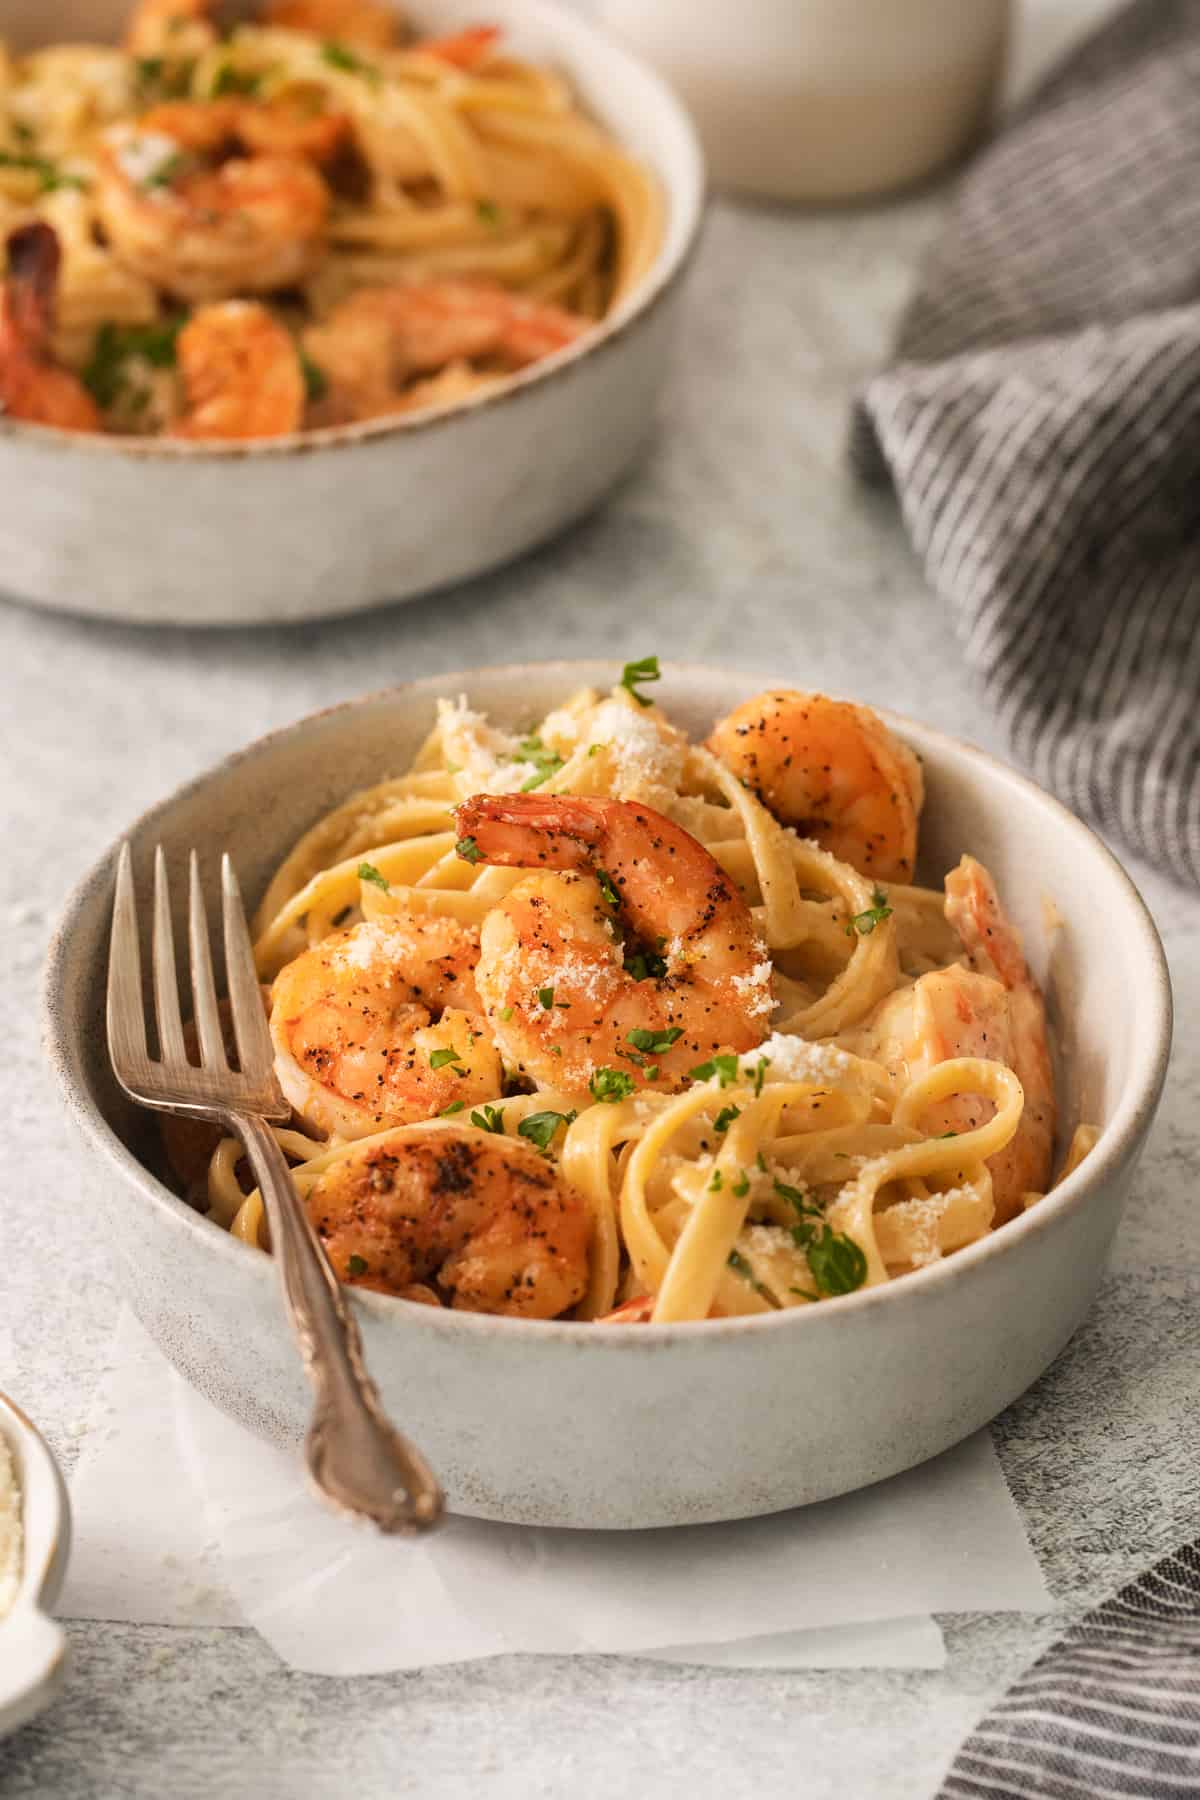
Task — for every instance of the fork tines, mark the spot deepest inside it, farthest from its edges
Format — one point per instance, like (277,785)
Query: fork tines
(173,1078)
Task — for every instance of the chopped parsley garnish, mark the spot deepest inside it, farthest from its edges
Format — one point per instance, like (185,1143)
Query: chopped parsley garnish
(368,872)
(761,1162)
(469,850)
(738,1262)
(946,1134)
(741,1187)
(506,1013)
(167,170)
(546,997)
(439,1058)
(545,762)
(229,80)
(316,382)
(489,1118)
(106,375)
(540,1127)
(339,56)
(356,1265)
(608,888)
(489,212)
(838,1265)
(760,1072)
(797,1198)
(163,79)
(50,176)
(726,1067)
(645,965)
(865,922)
(714,1186)
(610,1085)
(645,670)
(454,1106)
(725,1117)
(654,1043)
(803,1294)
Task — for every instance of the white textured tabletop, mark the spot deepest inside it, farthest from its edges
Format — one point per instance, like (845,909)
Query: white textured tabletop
(739,539)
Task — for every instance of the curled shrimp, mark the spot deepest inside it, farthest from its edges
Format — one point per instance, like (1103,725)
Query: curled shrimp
(240,374)
(480,1221)
(378,339)
(208,230)
(32,385)
(834,771)
(276,127)
(567,994)
(993,949)
(465,49)
(357,1047)
(179,29)
(363,22)
(991,1010)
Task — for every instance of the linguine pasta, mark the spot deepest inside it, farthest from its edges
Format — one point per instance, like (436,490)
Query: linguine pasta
(835,1153)
(459,188)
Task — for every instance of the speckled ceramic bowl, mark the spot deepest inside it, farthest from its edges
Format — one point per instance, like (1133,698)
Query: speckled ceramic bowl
(572,1424)
(333,521)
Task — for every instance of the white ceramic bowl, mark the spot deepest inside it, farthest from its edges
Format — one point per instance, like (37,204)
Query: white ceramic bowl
(573,1424)
(333,521)
(33,1649)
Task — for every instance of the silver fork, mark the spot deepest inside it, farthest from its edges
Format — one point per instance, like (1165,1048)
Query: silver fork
(358,1461)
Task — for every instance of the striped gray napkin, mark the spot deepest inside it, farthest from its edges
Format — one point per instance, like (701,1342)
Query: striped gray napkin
(1111,1710)
(1041,424)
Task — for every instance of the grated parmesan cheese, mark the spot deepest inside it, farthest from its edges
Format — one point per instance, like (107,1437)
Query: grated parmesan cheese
(792,1058)
(363,948)
(647,754)
(11,1539)
(141,155)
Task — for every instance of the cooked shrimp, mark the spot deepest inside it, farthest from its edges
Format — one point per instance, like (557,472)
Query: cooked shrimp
(483,1220)
(379,338)
(277,127)
(240,372)
(364,22)
(993,948)
(991,1010)
(32,386)
(178,28)
(249,224)
(553,971)
(352,1019)
(834,771)
(465,49)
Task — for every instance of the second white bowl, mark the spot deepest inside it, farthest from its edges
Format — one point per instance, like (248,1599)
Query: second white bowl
(328,522)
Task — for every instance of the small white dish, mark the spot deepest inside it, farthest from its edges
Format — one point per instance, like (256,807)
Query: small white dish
(33,1649)
(166,532)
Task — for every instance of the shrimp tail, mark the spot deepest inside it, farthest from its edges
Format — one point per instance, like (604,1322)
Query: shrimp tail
(34,258)
(528,831)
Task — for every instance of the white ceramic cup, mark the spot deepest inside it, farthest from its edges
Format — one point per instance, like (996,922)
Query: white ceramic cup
(825,100)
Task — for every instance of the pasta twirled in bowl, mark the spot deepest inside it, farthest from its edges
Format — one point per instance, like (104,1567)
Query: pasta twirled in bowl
(301,222)
(595,1021)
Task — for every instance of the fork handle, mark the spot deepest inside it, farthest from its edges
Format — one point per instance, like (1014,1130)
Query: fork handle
(356,1458)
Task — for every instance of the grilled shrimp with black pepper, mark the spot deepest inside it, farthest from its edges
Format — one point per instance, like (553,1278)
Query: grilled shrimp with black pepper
(832,769)
(383,1025)
(635,962)
(453,1216)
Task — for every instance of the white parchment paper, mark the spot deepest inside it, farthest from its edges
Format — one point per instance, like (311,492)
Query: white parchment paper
(183,1517)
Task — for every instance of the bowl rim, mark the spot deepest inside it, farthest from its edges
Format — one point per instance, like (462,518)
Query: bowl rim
(684,199)
(1120,1142)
